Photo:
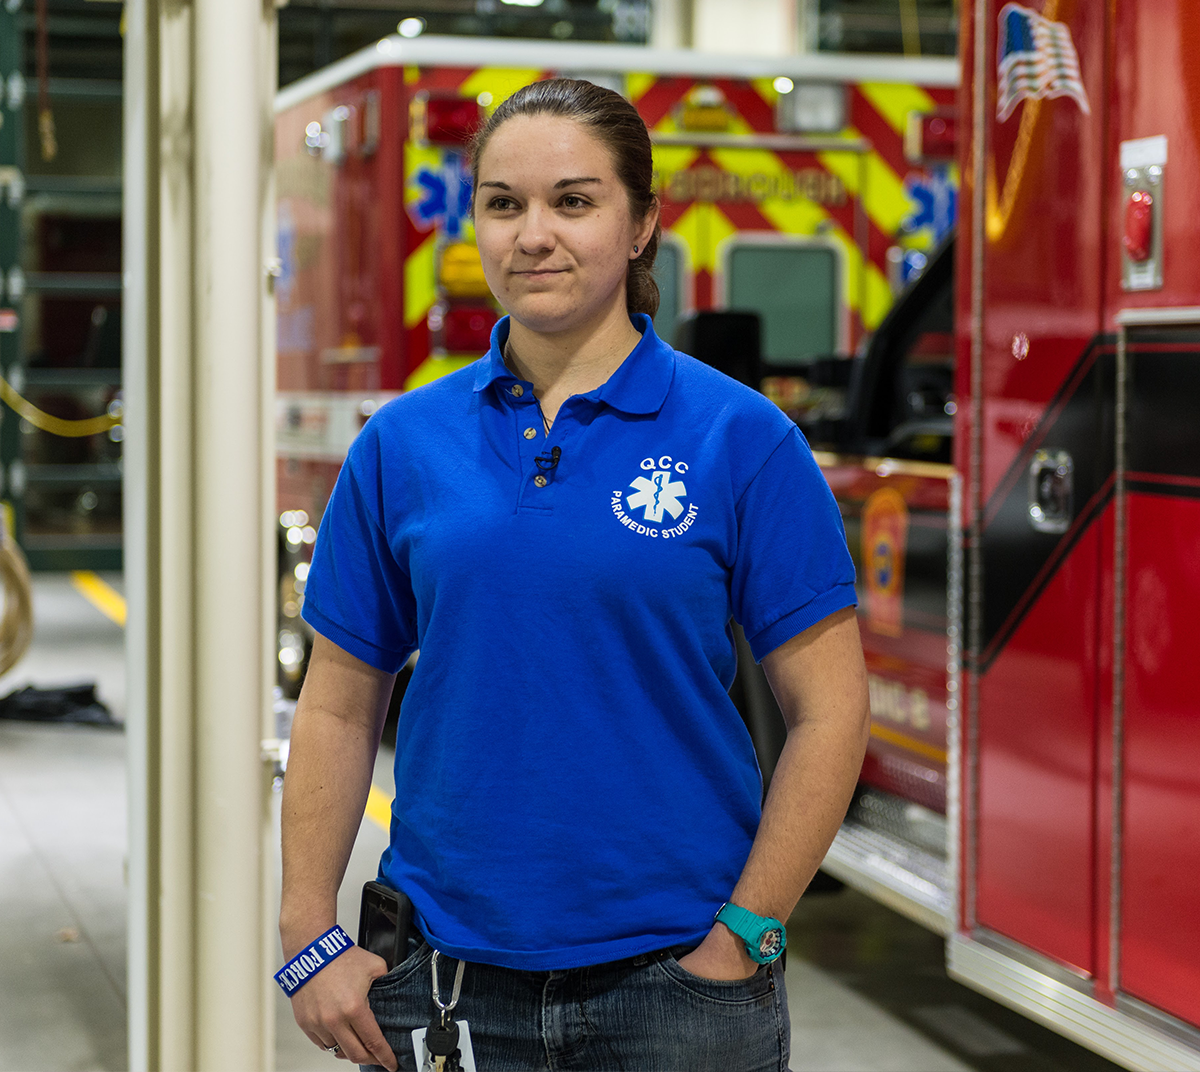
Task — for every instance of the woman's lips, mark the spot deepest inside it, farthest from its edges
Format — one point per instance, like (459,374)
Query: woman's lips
(540,273)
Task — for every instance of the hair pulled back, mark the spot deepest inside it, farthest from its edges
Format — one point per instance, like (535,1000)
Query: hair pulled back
(615,122)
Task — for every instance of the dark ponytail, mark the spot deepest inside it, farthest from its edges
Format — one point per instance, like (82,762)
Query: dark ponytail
(616,123)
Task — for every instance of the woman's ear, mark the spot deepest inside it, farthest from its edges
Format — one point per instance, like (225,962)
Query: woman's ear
(645,231)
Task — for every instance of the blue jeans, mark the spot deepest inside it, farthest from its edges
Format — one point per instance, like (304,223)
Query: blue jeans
(642,1014)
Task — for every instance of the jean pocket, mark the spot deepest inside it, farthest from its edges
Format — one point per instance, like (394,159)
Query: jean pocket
(729,991)
(420,952)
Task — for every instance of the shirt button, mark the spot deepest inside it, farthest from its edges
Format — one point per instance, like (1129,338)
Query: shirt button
(540,481)
(530,433)
(517,390)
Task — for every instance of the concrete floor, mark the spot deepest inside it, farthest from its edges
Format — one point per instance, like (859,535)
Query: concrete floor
(62,852)
(867,989)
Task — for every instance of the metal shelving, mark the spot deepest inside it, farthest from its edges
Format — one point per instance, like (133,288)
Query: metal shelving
(60,265)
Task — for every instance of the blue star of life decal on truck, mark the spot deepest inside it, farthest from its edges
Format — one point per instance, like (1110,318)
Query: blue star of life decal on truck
(935,202)
(445,195)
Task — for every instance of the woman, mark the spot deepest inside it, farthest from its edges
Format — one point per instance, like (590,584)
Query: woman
(565,529)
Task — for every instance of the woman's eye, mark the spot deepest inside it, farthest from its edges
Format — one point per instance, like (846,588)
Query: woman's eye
(500,204)
(574,201)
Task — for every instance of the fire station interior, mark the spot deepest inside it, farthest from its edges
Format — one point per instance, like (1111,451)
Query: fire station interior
(164,465)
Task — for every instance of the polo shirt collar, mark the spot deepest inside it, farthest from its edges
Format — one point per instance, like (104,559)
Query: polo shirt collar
(639,386)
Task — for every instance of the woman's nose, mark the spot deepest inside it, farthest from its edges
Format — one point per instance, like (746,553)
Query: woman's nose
(536,234)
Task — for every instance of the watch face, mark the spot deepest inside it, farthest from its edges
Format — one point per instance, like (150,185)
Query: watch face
(771,942)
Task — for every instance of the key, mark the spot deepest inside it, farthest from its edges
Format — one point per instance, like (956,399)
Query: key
(441,1036)
(441,1043)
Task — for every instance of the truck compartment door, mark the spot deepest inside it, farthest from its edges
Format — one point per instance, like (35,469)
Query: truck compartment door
(1044,391)
(1158,717)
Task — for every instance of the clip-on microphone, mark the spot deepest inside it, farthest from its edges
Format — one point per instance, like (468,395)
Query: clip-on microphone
(547,465)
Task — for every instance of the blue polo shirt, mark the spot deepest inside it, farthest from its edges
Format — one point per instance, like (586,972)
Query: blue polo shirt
(573,783)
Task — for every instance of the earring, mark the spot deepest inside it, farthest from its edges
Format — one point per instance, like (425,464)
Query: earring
(635,249)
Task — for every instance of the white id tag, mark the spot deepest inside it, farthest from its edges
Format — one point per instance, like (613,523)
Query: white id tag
(466,1058)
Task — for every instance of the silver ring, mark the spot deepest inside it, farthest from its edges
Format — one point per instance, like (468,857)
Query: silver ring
(335,1049)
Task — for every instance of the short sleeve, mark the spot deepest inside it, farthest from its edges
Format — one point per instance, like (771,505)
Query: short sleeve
(357,594)
(793,567)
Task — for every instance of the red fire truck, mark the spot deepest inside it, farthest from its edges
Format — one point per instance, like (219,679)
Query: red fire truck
(1052,354)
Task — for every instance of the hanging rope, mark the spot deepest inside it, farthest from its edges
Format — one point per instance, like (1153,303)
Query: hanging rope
(16,623)
(49,423)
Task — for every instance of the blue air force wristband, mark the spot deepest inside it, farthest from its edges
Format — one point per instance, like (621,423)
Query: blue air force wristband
(310,960)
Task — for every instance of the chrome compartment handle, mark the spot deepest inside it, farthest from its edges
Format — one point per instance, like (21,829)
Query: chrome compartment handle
(1051,491)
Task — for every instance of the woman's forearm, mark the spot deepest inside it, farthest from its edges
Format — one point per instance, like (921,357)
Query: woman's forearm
(325,790)
(335,736)
(810,791)
(821,688)
(820,682)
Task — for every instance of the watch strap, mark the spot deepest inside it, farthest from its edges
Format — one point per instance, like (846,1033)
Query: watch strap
(750,927)
(744,923)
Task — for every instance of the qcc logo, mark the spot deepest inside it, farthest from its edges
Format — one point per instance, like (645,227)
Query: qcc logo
(657,493)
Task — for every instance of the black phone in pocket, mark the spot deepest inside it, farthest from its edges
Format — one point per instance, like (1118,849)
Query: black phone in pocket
(384,922)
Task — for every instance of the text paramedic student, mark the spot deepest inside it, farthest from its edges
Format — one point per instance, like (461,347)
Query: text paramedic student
(565,529)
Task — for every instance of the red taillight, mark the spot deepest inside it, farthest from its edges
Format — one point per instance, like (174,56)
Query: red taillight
(467,329)
(939,135)
(1139,225)
(931,136)
(451,120)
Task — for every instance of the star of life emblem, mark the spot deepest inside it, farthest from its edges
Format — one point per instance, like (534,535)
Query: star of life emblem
(661,496)
(657,493)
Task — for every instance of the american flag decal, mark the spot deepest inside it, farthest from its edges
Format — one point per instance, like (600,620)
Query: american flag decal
(1037,60)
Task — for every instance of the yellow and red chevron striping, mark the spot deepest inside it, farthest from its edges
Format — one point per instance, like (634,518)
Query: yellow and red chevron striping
(867,220)
(886,133)
(664,94)
(671,212)
(746,216)
(884,138)
(856,224)
(757,113)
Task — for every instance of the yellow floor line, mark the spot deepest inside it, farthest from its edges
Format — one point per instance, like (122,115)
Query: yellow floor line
(379,808)
(106,599)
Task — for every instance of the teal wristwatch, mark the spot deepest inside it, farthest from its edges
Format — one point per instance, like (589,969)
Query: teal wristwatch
(765,938)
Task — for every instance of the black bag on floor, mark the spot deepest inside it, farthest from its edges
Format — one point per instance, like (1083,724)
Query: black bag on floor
(74,703)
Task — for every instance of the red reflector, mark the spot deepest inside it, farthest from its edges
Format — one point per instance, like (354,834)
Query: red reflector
(931,137)
(939,136)
(451,120)
(467,329)
(1139,225)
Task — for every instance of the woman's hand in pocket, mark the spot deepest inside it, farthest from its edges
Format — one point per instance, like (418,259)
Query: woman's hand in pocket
(332,1009)
(722,955)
